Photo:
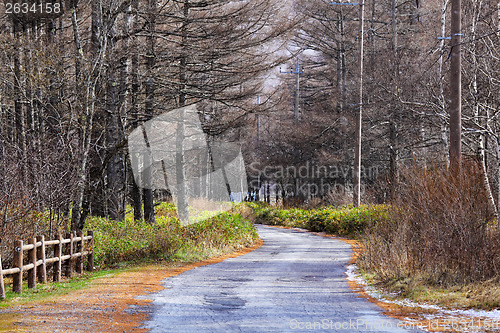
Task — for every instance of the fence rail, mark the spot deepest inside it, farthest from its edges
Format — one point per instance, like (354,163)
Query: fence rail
(68,251)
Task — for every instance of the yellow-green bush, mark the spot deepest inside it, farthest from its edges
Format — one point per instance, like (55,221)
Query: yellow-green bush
(125,240)
(342,221)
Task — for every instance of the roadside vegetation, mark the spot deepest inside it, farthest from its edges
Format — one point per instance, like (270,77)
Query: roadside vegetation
(130,243)
(126,240)
(342,221)
(441,243)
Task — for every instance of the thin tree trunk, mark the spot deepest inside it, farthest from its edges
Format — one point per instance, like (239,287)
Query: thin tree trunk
(481,137)
(82,171)
(442,101)
(114,167)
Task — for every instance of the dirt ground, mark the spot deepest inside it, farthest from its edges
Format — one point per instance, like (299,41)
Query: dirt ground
(109,304)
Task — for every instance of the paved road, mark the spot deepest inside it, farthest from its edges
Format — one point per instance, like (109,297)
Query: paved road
(294,283)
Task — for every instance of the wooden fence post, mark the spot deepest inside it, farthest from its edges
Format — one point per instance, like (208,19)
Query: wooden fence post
(80,248)
(42,269)
(90,259)
(32,260)
(17,281)
(37,261)
(2,287)
(69,263)
(57,264)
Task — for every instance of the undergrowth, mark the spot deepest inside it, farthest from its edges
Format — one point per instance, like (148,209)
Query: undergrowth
(118,241)
(342,221)
(441,233)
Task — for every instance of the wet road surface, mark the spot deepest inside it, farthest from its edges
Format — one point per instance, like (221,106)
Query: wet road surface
(295,282)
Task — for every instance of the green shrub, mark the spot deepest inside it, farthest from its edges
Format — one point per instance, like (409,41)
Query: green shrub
(118,241)
(342,221)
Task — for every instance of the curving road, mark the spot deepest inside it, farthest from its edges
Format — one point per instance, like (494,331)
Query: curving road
(294,283)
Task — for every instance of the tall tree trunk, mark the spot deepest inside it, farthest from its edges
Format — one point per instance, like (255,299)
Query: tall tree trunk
(76,214)
(393,122)
(148,199)
(456,86)
(96,195)
(19,115)
(51,114)
(182,205)
(481,137)
(498,179)
(134,189)
(115,168)
(341,62)
(359,115)
(89,103)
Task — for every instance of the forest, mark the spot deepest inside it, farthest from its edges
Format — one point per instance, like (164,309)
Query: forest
(281,78)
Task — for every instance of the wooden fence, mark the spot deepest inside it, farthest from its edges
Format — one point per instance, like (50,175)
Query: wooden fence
(69,251)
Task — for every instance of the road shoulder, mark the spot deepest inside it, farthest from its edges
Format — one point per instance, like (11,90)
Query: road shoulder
(116,303)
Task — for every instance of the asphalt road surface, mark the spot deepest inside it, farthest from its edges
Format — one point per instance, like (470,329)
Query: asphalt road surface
(295,282)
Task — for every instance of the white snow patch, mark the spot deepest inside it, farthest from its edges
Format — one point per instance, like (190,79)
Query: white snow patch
(352,275)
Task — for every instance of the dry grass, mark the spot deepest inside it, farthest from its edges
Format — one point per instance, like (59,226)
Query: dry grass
(484,295)
(441,232)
